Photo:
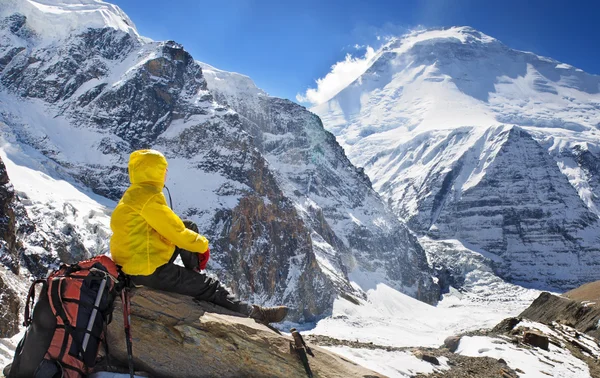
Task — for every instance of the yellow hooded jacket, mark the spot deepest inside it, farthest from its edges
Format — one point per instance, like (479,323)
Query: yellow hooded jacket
(145,230)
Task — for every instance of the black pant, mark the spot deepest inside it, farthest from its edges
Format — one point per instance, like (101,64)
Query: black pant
(177,279)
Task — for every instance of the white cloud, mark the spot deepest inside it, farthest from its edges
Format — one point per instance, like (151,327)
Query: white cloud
(341,75)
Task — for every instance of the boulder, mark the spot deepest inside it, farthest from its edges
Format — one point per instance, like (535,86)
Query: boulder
(428,358)
(452,342)
(536,339)
(506,325)
(175,336)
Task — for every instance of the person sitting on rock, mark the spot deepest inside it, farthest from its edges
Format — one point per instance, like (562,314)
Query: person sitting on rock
(148,236)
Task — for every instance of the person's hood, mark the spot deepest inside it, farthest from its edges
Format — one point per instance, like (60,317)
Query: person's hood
(147,166)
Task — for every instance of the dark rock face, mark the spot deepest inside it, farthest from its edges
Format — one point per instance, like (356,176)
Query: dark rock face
(10,249)
(144,106)
(14,223)
(9,246)
(506,325)
(17,25)
(9,310)
(39,75)
(536,339)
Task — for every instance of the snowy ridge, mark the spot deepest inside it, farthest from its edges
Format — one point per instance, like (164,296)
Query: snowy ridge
(51,20)
(471,140)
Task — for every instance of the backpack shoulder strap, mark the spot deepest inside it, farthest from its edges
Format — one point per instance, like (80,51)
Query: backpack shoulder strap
(30,302)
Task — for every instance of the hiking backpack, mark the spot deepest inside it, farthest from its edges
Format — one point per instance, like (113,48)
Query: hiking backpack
(68,322)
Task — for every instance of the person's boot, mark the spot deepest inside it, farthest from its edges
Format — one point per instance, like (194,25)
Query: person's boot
(266,315)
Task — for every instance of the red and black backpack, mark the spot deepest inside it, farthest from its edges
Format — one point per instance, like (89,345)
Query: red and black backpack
(69,320)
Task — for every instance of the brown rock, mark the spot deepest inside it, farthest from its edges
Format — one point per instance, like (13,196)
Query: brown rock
(452,342)
(536,339)
(173,336)
(506,325)
(507,373)
(429,358)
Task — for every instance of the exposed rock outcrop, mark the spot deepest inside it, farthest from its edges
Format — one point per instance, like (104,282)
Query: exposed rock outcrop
(173,336)
(9,254)
(8,228)
(9,310)
(548,308)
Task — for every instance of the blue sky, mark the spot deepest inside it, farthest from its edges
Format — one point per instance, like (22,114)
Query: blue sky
(284,46)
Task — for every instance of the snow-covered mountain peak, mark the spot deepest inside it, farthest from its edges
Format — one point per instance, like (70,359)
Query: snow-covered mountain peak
(57,19)
(455,34)
(456,77)
(471,140)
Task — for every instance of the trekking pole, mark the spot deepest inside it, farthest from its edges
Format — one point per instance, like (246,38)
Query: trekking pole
(300,347)
(127,326)
(86,338)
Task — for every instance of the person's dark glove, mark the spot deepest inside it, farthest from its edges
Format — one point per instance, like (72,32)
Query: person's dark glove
(203,259)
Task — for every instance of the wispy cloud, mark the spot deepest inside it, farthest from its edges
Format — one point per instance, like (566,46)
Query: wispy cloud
(341,75)
(370,39)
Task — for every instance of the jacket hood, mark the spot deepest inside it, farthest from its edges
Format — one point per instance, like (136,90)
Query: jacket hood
(147,166)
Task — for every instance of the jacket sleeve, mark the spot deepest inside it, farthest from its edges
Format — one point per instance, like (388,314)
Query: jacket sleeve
(161,218)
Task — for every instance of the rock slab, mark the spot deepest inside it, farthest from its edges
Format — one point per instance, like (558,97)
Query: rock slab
(174,336)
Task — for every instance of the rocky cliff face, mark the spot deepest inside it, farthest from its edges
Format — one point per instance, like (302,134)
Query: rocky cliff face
(10,249)
(88,99)
(8,229)
(353,232)
(9,310)
(470,140)
(524,211)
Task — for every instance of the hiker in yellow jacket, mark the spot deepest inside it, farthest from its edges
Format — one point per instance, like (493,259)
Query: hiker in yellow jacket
(148,236)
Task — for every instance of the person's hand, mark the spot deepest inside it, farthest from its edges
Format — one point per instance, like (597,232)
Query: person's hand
(203,259)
